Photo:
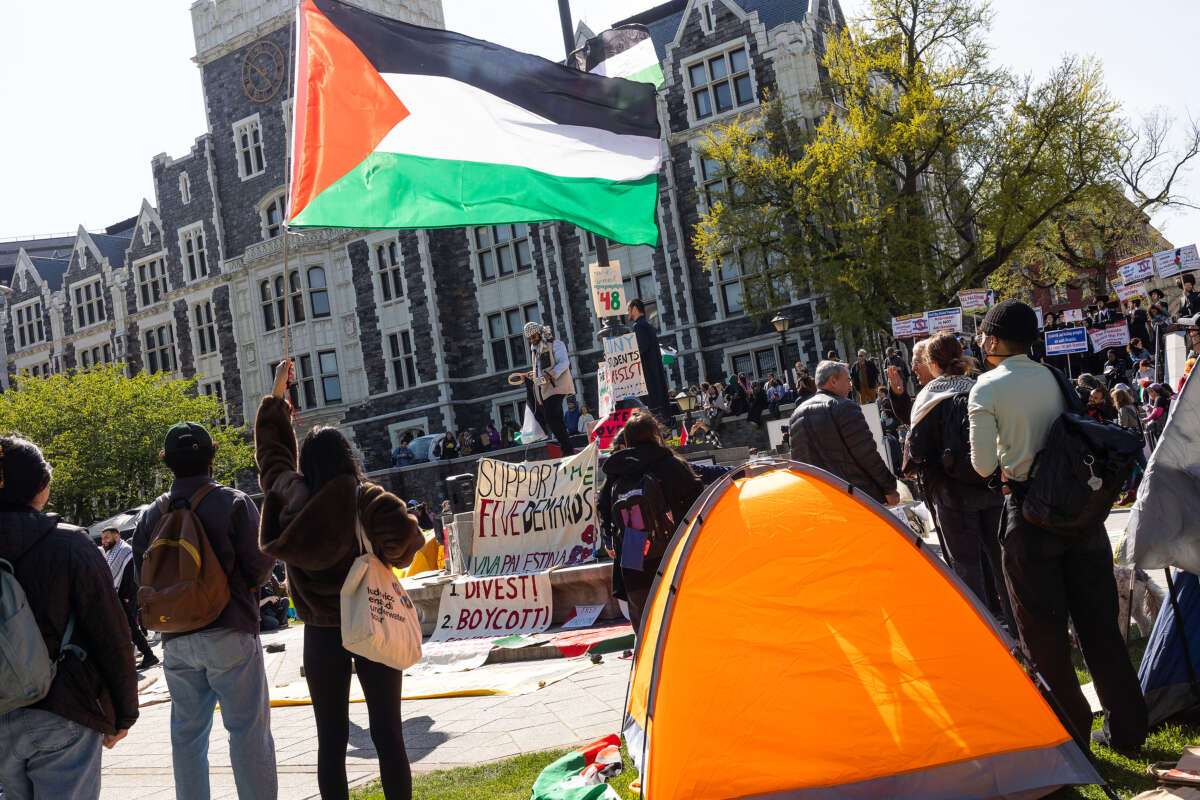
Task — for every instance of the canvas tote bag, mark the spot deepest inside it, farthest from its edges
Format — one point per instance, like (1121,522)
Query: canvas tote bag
(379,620)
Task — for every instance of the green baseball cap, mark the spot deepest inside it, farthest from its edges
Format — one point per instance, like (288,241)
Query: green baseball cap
(185,436)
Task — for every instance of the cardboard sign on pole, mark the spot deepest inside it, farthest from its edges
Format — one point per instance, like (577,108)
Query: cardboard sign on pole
(608,292)
(624,360)
(1136,268)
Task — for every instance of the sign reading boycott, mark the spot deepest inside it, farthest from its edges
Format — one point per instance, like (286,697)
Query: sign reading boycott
(1173,262)
(1114,335)
(973,299)
(944,319)
(472,608)
(1137,268)
(534,515)
(610,426)
(624,361)
(608,293)
(1066,341)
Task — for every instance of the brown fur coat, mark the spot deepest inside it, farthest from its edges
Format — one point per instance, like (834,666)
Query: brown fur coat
(314,536)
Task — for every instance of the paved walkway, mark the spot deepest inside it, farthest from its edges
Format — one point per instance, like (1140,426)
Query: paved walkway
(440,733)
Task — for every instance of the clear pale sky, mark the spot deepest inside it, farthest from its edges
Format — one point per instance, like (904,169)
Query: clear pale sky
(91,91)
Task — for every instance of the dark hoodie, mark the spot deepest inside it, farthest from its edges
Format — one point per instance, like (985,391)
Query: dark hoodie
(62,574)
(680,487)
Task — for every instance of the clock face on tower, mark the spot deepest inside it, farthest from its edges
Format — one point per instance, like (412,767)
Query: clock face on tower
(264,70)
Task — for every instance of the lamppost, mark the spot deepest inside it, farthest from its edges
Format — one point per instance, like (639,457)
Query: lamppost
(687,404)
(781,324)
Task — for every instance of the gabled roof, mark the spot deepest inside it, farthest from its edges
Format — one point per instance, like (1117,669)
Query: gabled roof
(113,247)
(663,21)
(51,270)
(51,247)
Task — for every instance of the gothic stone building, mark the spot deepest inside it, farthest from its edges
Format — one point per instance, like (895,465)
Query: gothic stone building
(401,330)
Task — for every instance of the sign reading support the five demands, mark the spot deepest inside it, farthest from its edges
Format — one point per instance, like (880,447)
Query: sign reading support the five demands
(624,360)
(534,515)
(472,608)
(608,292)
(1066,341)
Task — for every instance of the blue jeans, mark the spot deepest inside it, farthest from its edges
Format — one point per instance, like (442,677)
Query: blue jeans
(45,755)
(226,666)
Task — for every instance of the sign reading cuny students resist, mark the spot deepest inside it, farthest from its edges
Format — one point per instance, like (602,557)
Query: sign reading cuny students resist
(624,359)
(488,607)
(534,515)
(608,292)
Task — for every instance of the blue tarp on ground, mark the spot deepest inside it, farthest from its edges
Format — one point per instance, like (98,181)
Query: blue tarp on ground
(1164,672)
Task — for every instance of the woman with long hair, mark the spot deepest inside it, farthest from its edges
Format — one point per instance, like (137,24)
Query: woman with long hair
(1128,418)
(314,496)
(966,510)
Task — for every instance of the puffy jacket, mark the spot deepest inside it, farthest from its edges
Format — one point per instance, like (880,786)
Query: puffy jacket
(315,536)
(831,432)
(62,574)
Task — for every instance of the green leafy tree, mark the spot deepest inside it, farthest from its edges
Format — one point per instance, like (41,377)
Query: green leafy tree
(931,168)
(102,433)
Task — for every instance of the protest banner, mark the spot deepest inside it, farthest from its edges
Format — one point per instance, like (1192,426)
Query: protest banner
(534,515)
(625,376)
(1115,334)
(608,292)
(608,427)
(1073,315)
(1172,262)
(944,319)
(472,608)
(973,300)
(1127,291)
(603,391)
(1066,341)
(1136,268)
(909,325)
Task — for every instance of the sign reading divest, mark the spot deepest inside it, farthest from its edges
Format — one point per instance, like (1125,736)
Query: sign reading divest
(1173,262)
(534,515)
(624,361)
(610,426)
(1066,341)
(1137,268)
(487,607)
(608,292)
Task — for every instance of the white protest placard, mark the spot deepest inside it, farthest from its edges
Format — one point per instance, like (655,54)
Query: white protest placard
(1041,322)
(1073,315)
(583,616)
(973,300)
(1172,262)
(624,360)
(1136,268)
(1126,291)
(608,292)
(909,325)
(603,391)
(944,319)
(472,608)
(1114,335)
(1066,341)
(534,515)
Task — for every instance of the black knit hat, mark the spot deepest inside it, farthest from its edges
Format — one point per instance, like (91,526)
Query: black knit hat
(1012,321)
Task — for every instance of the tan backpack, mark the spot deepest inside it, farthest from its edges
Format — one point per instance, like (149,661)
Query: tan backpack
(184,588)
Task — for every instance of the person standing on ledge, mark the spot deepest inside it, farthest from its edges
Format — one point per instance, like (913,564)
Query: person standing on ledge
(655,398)
(550,381)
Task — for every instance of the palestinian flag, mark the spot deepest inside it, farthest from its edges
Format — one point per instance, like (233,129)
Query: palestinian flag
(581,774)
(399,126)
(624,52)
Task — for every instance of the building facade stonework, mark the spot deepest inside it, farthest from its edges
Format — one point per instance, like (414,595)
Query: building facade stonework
(405,330)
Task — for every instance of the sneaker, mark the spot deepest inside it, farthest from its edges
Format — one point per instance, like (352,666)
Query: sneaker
(149,660)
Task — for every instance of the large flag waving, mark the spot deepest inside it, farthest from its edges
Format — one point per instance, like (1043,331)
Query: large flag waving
(623,52)
(399,126)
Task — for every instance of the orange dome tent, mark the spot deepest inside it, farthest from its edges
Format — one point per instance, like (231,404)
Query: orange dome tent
(840,659)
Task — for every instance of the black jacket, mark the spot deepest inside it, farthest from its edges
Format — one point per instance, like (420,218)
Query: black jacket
(62,574)
(680,487)
(857,378)
(656,377)
(923,455)
(230,520)
(831,432)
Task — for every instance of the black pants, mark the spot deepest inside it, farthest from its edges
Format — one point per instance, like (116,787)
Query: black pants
(973,538)
(327,670)
(135,631)
(1050,577)
(552,409)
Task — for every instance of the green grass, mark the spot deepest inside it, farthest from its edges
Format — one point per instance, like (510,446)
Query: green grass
(513,779)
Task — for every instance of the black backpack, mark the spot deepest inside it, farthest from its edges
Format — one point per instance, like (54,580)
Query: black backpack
(1080,471)
(956,443)
(640,511)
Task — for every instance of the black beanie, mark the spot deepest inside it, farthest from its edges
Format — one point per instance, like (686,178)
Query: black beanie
(23,471)
(1012,321)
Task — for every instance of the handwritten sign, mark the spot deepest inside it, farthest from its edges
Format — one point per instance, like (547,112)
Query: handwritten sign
(624,360)
(1066,341)
(473,608)
(1172,262)
(1136,268)
(909,325)
(583,616)
(603,434)
(944,319)
(608,292)
(973,299)
(534,515)
(1114,335)
(603,390)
